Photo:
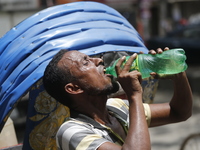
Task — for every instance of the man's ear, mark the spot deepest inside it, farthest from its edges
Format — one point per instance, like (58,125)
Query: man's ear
(73,88)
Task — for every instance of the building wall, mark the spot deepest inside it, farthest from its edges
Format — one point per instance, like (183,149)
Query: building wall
(10,19)
(166,16)
(160,21)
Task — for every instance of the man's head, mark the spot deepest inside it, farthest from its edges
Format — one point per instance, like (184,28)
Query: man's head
(72,72)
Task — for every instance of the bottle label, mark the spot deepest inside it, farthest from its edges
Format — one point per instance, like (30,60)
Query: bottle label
(134,65)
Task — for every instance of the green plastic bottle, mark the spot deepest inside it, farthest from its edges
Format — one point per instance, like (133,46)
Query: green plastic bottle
(169,62)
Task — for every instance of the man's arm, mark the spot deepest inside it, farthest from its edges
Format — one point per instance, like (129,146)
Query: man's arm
(138,135)
(180,106)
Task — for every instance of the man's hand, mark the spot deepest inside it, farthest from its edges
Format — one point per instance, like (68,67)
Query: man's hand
(180,106)
(154,74)
(138,135)
(130,81)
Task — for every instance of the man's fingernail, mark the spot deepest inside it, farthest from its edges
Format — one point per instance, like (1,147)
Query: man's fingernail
(123,57)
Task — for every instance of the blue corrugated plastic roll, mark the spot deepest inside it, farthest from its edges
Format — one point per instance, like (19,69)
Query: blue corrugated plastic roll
(25,50)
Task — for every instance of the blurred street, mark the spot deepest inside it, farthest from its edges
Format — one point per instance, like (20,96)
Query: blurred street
(170,137)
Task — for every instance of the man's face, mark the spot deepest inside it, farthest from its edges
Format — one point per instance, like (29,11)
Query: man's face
(89,73)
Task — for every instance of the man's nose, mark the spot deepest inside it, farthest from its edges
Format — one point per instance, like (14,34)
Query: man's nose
(98,61)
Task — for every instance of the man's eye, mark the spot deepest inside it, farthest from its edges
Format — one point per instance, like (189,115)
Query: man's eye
(86,62)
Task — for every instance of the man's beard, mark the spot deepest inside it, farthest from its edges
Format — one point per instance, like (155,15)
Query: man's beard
(109,89)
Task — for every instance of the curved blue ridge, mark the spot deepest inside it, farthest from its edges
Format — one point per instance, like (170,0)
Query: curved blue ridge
(75,37)
(8,56)
(19,91)
(54,12)
(24,74)
(25,50)
(110,48)
(12,79)
(64,21)
(75,20)
(28,71)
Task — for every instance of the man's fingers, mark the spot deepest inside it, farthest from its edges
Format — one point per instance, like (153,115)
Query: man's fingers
(127,65)
(166,48)
(129,62)
(159,50)
(118,65)
(153,52)
(141,52)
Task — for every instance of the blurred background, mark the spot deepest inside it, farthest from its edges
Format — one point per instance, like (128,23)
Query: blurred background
(173,23)
(161,23)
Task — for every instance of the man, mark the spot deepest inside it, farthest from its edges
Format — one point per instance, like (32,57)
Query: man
(79,82)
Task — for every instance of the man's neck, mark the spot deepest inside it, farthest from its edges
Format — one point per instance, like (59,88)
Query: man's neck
(92,106)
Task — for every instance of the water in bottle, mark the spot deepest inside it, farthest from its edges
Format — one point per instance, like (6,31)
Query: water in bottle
(169,62)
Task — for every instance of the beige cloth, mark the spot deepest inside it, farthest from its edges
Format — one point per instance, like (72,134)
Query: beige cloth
(8,135)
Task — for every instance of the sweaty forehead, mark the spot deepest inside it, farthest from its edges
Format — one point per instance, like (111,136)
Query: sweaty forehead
(71,58)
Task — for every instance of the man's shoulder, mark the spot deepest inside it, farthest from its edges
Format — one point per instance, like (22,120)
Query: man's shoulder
(117,103)
(119,107)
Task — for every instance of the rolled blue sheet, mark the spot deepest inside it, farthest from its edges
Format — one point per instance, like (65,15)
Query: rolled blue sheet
(89,27)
